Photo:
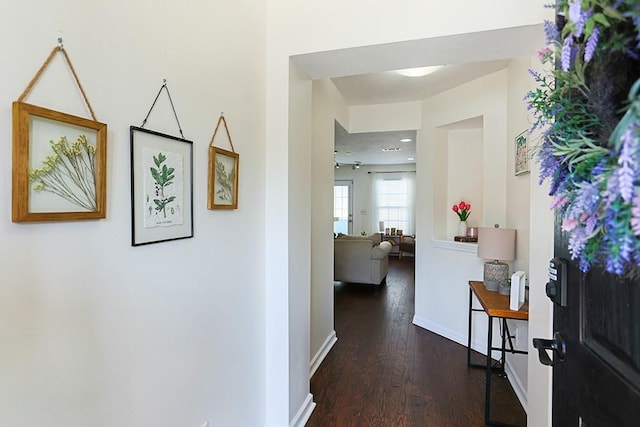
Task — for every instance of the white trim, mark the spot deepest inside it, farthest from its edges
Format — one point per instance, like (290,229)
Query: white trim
(304,413)
(478,345)
(481,347)
(322,352)
(440,330)
(455,246)
(518,388)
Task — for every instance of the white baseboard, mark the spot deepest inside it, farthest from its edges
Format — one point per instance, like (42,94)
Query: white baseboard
(480,347)
(322,353)
(444,332)
(304,412)
(518,388)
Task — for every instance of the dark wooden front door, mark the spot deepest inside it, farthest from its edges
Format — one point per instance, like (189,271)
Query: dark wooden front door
(598,382)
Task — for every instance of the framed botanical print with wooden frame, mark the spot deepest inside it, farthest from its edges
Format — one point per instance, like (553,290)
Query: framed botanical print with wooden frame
(223,179)
(161,187)
(521,154)
(222,191)
(59,166)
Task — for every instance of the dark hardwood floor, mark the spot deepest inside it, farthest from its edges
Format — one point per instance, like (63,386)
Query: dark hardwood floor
(384,371)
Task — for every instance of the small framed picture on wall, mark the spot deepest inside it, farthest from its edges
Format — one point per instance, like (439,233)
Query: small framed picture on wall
(521,154)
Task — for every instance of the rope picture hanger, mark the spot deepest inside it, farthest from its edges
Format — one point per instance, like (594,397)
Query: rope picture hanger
(223,173)
(59,48)
(59,161)
(226,128)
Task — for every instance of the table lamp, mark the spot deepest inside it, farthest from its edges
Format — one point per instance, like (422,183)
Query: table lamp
(497,244)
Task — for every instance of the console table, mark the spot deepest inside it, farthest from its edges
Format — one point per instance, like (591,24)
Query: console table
(494,305)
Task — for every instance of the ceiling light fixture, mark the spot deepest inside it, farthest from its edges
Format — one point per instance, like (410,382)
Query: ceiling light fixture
(405,140)
(419,71)
(391,149)
(411,159)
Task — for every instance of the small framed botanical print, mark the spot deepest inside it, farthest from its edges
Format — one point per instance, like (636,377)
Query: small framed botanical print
(59,166)
(161,187)
(521,154)
(223,179)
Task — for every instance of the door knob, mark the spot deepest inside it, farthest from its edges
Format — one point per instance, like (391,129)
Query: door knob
(557,345)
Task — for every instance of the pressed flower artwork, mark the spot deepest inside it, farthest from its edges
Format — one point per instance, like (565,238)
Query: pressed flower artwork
(59,166)
(67,172)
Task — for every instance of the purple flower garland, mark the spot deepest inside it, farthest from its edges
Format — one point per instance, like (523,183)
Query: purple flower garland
(595,184)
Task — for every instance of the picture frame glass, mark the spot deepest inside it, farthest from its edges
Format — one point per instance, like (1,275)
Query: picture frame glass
(223,179)
(162,187)
(521,154)
(223,187)
(59,166)
(69,162)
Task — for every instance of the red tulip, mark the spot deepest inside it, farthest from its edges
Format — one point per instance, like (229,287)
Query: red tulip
(455,208)
(461,205)
(468,207)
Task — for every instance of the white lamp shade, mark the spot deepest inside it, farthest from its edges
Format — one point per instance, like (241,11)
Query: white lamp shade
(497,243)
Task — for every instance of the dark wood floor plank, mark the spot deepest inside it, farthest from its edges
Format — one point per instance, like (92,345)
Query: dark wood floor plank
(384,371)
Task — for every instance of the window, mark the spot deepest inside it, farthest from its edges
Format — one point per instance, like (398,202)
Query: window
(393,195)
(342,207)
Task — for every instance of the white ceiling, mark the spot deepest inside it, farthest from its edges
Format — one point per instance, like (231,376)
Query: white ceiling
(389,86)
(366,147)
(364,76)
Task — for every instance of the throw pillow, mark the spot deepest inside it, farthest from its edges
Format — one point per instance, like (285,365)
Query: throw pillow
(375,238)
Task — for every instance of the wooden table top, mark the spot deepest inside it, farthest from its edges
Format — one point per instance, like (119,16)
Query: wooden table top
(497,305)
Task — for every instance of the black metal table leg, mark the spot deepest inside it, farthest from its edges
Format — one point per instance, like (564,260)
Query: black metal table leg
(487,397)
(469,331)
(503,333)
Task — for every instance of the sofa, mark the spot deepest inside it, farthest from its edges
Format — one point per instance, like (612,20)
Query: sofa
(360,259)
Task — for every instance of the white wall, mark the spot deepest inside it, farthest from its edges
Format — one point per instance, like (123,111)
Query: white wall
(442,301)
(96,332)
(540,307)
(385,117)
(465,169)
(93,334)
(328,106)
(300,124)
(300,28)
(518,196)
(521,203)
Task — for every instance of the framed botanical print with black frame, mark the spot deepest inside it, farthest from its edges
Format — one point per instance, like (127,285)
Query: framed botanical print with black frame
(59,166)
(161,187)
